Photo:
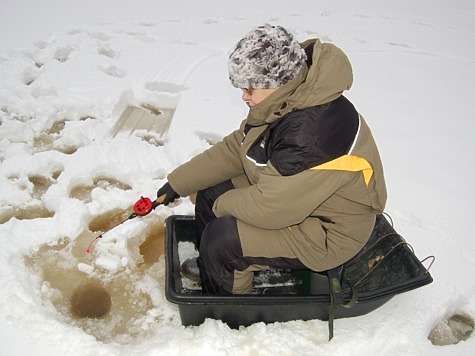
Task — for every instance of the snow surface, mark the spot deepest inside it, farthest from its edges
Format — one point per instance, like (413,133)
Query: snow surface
(68,69)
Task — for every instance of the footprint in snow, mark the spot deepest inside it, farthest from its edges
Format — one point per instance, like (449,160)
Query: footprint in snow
(107,51)
(113,71)
(83,191)
(62,53)
(458,327)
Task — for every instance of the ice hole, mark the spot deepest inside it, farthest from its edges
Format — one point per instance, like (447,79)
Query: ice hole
(90,300)
(112,306)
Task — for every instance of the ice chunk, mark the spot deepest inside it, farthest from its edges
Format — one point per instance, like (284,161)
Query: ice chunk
(84,267)
(111,263)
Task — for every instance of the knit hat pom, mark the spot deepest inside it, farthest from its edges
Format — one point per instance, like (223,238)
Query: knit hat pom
(266,58)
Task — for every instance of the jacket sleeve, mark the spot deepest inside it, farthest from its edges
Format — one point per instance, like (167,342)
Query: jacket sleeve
(215,165)
(277,201)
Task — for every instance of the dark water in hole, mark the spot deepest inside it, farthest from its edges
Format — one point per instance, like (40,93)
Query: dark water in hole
(90,300)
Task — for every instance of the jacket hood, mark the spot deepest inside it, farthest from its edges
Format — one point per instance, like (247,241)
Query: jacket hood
(327,74)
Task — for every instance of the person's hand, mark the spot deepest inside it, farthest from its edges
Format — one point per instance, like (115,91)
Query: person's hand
(166,194)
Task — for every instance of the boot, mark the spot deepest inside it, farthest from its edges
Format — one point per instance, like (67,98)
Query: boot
(189,269)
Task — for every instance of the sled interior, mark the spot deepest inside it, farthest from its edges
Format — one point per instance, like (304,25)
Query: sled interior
(385,267)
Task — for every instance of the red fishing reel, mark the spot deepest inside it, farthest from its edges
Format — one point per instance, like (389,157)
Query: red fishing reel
(143,206)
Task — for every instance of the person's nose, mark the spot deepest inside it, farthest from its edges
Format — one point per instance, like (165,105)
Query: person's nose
(246,95)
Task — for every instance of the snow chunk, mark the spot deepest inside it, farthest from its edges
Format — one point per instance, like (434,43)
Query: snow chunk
(84,267)
(110,263)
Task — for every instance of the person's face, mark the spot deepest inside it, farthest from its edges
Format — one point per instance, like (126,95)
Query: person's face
(252,97)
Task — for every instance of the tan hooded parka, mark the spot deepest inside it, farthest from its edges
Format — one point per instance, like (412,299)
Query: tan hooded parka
(327,212)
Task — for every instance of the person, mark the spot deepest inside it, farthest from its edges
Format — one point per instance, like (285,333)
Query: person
(299,184)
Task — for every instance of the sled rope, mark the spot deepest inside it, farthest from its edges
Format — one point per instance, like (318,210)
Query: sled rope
(337,297)
(336,292)
(379,261)
(389,217)
(431,263)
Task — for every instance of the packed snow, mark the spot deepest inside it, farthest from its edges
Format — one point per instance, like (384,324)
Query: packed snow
(68,70)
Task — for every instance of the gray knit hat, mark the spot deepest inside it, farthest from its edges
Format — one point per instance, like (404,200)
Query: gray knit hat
(267,57)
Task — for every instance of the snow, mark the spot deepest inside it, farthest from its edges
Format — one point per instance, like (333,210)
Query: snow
(68,69)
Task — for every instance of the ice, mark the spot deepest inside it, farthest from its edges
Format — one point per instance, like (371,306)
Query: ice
(84,267)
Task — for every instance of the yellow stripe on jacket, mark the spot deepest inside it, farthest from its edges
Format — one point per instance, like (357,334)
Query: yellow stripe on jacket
(349,163)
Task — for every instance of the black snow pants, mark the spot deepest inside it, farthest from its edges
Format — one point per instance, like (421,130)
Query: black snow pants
(224,268)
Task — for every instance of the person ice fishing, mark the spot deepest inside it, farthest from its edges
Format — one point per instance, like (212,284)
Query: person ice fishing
(299,184)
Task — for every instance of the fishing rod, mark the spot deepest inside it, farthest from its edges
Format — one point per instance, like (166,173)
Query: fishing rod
(142,207)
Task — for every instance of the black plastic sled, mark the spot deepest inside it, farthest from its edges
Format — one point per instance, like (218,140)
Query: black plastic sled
(385,267)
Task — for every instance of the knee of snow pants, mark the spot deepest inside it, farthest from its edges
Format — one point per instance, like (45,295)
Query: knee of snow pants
(204,206)
(220,255)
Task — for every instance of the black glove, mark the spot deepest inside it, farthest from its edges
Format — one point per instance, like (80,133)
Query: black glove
(167,193)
